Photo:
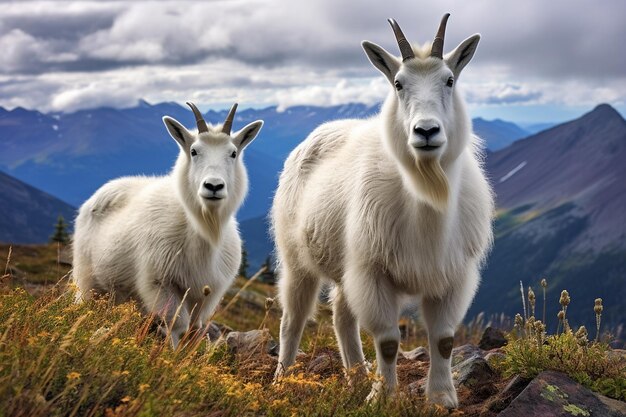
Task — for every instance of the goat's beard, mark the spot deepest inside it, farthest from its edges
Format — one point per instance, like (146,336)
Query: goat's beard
(212,220)
(432,182)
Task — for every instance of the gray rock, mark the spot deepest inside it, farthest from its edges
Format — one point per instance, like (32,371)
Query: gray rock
(274,350)
(508,394)
(492,338)
(463,353)
(473,372)
(216,330)
(418,387)
(617,353)
(324,363)
(420,353)
(250,343)
(555,394)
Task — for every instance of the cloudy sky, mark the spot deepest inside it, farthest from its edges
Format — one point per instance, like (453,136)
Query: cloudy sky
(538,60)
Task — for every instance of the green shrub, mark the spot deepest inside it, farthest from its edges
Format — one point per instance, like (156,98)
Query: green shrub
(593,364)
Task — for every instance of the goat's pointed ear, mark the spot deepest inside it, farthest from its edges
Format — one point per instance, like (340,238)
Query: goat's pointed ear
(462,55)
(245,136)
(178,132)
(381,59)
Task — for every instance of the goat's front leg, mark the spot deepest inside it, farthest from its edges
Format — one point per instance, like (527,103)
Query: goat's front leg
(442,316)
(202,309)
(166,301)
(375,303)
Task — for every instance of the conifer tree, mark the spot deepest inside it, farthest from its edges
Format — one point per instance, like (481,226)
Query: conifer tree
(60,232)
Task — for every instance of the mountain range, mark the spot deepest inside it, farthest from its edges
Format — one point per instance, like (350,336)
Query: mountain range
(498,133)
(52,151)
(561,198)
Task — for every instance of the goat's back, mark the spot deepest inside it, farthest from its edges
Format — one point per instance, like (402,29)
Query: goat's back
(309,205)
(107,230)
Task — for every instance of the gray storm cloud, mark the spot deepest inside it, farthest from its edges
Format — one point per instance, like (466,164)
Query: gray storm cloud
(111,52)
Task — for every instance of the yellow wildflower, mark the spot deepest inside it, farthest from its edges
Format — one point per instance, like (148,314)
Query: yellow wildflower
(73,376)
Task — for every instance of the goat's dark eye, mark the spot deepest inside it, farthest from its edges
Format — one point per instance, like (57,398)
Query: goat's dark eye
(234,154)
(193,152)
(398,85)
(450,82)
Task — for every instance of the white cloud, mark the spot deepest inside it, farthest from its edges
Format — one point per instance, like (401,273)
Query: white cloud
(344,91)
(92,95)
(502,93)
(69,55)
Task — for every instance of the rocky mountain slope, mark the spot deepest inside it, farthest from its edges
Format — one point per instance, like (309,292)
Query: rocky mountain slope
(561,195)
(28,215)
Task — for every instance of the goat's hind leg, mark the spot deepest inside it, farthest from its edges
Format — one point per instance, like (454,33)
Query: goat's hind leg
(347,332)
(83,279)
(298,291)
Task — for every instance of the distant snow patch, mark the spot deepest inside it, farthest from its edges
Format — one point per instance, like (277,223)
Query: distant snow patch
(513,172)
(55,127)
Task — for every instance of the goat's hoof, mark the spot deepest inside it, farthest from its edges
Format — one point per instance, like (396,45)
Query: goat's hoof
(376,392)
(373,396)
(444,397)
(277,377)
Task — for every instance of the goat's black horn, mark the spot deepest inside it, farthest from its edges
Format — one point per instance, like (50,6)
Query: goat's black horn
(228,123)
(437,49)
(403,44)
(202,127)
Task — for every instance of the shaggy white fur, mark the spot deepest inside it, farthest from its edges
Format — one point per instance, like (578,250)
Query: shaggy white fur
(391,208)
(162,240)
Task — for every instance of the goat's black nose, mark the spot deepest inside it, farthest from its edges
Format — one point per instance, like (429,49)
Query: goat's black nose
(214,187)
(426,133)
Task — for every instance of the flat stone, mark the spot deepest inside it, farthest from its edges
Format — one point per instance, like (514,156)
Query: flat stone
(492,338)
(473,372)
(555,394)
(217,330)
(502,400)
(420,353)
(325,363)
(250,343)
(418,387)
(463,353)
(275,350)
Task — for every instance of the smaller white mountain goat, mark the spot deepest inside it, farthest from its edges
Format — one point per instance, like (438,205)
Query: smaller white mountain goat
(391,209)
(171,242)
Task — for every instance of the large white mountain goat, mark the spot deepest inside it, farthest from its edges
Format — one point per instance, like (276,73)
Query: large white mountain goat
(172,242)
(391,209)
